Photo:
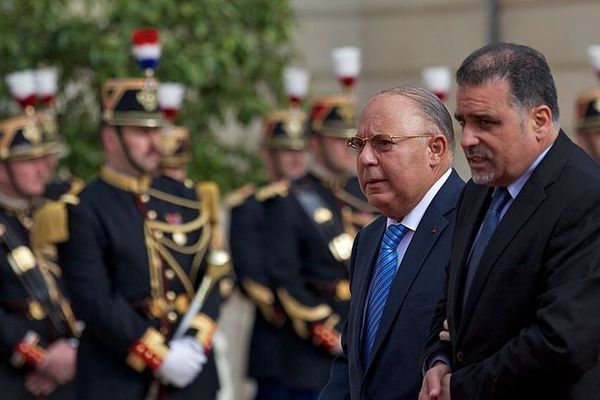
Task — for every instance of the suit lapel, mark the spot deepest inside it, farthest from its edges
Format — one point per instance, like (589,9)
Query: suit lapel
(464,236)
(423,240)
(366,258)
(430,228)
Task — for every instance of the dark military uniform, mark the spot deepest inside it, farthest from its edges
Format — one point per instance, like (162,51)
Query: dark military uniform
(587,115)
(309,253)
(265,359)
(283,129)
(33,311)
(138,249)
(133,262)
(311,228)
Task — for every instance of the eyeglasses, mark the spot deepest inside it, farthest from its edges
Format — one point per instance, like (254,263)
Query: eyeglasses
(380,143)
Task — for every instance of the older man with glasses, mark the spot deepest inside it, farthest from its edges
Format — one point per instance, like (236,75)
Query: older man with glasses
(404,154)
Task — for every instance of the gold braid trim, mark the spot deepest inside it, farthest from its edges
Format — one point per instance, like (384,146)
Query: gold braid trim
(279,188)
(169,198)
(301,314)
(155,265)
(165,227)
(171,262)
(239,196)
(258,292)
(262,296)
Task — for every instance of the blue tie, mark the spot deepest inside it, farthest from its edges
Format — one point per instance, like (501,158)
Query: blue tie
(385,270)
(500,197)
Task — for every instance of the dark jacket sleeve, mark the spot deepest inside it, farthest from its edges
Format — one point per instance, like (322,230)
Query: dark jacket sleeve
(107,316)
(563,339)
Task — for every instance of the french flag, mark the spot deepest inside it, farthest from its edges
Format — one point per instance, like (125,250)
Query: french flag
(146,48)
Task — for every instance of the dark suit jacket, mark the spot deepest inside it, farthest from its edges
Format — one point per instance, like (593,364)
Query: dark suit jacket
(394,370)
(531,324)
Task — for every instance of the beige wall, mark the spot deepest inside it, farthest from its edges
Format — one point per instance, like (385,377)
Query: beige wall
(399,37)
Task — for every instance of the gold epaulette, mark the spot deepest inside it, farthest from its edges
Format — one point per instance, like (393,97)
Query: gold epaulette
(239,196)
(209,194)
(50,221)
(279,188)
(50,224)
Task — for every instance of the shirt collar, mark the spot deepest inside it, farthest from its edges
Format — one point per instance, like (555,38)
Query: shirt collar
(515,188)
(413,218)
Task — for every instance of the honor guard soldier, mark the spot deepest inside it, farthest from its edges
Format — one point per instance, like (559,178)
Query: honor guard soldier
(587,112)
(138,248)
(38,332)
(285,159)
(588,122)
(309,240)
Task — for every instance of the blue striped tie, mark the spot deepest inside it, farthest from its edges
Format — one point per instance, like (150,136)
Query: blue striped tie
(385,270)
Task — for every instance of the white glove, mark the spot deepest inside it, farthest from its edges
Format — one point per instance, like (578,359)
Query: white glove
(183,362)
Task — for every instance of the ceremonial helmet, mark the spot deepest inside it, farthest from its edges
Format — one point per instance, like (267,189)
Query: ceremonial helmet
(34,132)
(134,101)
(336,115)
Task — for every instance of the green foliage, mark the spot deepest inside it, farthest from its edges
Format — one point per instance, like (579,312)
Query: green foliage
(229,54)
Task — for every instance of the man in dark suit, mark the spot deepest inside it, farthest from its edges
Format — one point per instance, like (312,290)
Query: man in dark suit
(404,160)
(522,296)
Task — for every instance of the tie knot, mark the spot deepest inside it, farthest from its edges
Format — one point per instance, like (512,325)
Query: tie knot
(500,197)
(393,235)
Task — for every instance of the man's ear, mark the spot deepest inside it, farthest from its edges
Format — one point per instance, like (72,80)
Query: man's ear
(109,138)
(541,121)
(438,149)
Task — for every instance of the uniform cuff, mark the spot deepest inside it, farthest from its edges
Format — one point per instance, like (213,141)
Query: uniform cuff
(148,351)
(28,351)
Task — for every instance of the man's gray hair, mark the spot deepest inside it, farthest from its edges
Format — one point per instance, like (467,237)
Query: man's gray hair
(430,108)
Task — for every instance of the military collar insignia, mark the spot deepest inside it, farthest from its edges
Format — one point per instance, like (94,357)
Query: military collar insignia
(125,182)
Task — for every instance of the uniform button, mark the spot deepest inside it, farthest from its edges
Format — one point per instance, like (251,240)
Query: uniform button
(170,274)
(144,198)
(172,316)
(460,357)
(152,214)
(170,295)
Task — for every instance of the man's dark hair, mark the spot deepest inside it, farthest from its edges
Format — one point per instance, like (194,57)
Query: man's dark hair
(523,68)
